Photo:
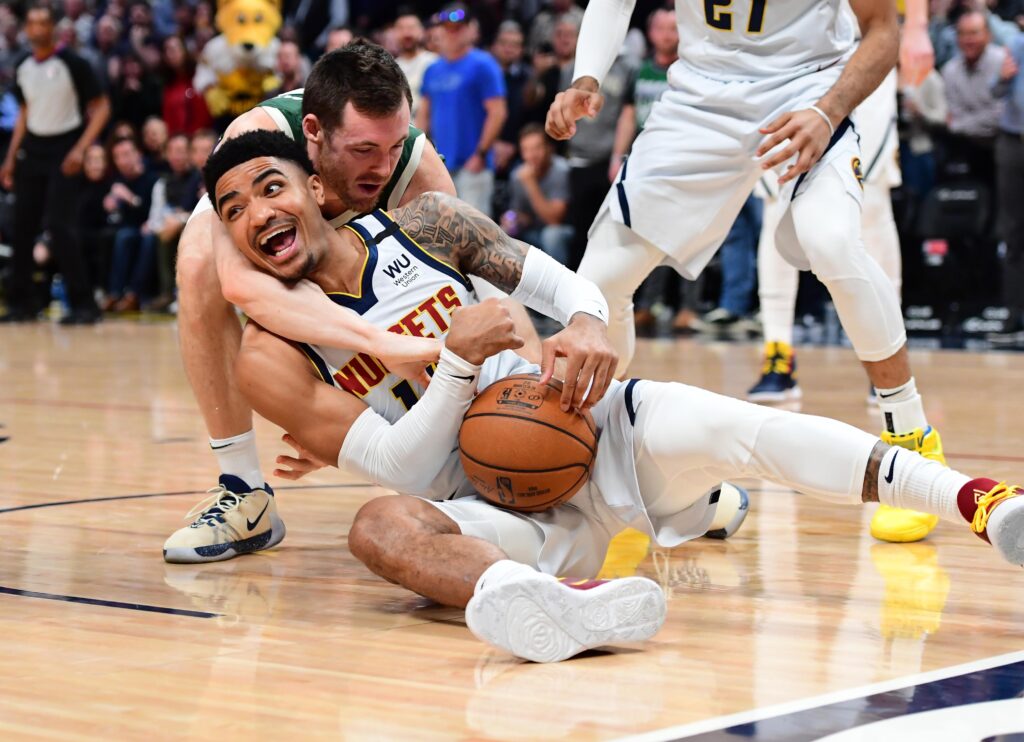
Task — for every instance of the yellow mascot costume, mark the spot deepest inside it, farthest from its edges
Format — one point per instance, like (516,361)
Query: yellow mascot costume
(236,69)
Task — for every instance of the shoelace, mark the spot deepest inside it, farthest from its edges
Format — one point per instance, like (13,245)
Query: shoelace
(987,501)
(212,509)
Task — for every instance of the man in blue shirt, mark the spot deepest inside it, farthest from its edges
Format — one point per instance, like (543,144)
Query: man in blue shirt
(1010,179)
(463,107)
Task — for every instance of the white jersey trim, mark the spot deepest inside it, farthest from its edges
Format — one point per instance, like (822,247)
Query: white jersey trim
(410,170)
(279,120)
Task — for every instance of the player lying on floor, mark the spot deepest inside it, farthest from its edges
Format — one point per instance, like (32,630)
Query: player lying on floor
(663,447)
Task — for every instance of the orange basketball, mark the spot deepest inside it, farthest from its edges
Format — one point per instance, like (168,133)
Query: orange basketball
(520,450)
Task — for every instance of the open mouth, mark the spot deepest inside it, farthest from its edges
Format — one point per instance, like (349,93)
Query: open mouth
(278,243)
(369,189)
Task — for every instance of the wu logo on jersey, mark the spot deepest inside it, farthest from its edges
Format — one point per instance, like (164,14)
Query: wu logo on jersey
(397,265)
(400,272)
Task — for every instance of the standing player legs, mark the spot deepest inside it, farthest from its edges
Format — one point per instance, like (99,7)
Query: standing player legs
(777,287)
(869,310)
(618,260)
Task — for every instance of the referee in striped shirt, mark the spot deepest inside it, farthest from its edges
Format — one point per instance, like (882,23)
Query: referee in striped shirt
(62,112)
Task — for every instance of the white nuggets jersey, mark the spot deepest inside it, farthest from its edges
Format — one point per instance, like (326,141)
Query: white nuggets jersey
(755,39)
(397,275)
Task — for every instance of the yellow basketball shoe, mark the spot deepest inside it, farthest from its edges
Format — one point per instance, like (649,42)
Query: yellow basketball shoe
(233,520)
(625,552)
(899,525)
(778,375)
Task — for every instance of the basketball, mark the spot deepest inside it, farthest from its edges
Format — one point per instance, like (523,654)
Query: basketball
(521,450)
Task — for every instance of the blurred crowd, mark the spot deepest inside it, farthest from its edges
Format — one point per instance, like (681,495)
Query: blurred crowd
(483,76)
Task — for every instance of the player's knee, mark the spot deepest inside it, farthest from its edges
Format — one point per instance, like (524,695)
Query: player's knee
(831,250)
(196,269)
(386,528)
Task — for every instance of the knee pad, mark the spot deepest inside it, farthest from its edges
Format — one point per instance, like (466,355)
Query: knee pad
(830,241)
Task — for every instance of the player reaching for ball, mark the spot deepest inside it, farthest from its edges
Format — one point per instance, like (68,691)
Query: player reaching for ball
(663,448)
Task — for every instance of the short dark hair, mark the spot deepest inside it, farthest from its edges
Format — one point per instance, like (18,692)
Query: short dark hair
(361,73)
(249,146)
(122,139)
(534,128)
(42,5)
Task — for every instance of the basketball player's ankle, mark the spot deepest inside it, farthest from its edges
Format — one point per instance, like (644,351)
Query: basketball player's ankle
(502,571)
(238,456)
(908,480)
(901,408)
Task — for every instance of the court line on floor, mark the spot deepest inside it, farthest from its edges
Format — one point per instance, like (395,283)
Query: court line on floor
(94,405)
(285,488)
(106,603)
(719,723)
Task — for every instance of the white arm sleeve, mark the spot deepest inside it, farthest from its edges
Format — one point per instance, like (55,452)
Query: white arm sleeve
(550,288)
(605,23)
(408,455)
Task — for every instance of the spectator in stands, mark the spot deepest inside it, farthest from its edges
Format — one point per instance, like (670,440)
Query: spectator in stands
(203,142)
(973,109)
(312,19)
(184,109)
(1010,178)
(94,233)
(542,30)
(136,95)
(62,111)
(174,196)
(552,70)
(540,196)
(463,108)
(292,67)
(107,43)
(338,37)
(68,38)
(127,206)
(508,51)
(944,23)
(77,12)
(141,34)
(154,142)
(412,57)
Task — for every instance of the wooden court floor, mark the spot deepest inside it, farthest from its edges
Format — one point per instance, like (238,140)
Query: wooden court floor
(99,638)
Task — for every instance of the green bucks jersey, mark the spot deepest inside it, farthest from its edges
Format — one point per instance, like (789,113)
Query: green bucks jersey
(648,83)
(286,110)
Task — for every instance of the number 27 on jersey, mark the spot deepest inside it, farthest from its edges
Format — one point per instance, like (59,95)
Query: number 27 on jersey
(718,15)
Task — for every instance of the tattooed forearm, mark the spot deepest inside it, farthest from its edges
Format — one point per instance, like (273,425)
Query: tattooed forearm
(870,491)
(457,233)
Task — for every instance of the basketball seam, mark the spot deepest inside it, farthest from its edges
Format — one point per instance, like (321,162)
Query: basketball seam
(586,467)
(579,440)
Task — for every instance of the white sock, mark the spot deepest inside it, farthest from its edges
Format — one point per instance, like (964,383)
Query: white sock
(238,456)
(502,571)
(908,480)
(901,408)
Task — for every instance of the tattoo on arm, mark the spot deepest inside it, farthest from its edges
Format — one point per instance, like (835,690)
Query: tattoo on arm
(870,491)
(455,232)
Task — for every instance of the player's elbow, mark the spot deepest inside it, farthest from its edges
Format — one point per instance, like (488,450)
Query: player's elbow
(239,292)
